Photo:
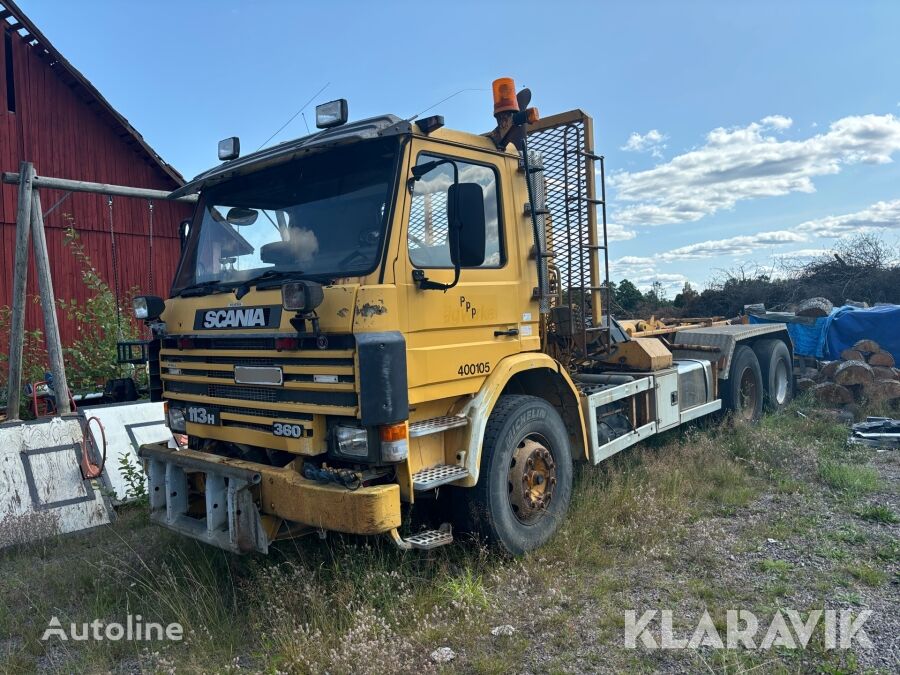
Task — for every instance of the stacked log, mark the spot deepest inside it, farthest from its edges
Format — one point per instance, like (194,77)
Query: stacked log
(815,307)
(864,373)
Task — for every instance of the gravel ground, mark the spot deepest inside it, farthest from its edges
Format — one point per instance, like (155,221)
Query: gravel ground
(783,550)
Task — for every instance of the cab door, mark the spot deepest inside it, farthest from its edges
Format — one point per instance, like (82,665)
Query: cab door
(456,337)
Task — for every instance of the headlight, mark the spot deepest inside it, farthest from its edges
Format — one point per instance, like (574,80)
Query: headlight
(148,307)
(175,418)
(140,307)
(352,441)
(301,296)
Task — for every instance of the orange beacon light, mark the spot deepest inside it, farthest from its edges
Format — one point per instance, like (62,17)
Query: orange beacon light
(505,95)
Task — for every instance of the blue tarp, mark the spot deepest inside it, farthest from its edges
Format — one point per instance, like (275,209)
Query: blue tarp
(830,335)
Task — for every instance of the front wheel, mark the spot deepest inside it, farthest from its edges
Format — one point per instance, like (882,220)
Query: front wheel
(525,483)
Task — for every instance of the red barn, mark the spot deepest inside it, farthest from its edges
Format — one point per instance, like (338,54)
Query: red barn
(52,116)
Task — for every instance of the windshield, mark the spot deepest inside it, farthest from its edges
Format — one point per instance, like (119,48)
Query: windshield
(321,216)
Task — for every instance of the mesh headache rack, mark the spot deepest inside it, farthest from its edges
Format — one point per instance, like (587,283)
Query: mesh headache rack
(563,164)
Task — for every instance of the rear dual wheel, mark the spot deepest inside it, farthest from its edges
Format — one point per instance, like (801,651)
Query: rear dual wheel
(759,378)
(776,367)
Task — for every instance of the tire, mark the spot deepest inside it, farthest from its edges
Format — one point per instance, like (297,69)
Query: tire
(510,517)
(743,390)
(776,367)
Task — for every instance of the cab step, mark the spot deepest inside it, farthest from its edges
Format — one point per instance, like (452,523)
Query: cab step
(436,425)
(425,540)
(435,476)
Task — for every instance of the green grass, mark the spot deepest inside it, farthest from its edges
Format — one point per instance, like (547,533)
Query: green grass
(777,567)
(852,480)
(867,574)
(643,527)
(877,513)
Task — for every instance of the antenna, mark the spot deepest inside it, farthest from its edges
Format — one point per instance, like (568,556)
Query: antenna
(294,116)
(410,119)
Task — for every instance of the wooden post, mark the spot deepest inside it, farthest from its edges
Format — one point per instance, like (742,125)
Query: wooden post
(20,279)
(48,305)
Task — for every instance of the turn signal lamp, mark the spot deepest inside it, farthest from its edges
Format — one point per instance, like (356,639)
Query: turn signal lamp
(505,95)
(394,442)
(532,115)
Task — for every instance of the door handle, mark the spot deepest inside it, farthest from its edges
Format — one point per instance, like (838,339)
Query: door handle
(512,332)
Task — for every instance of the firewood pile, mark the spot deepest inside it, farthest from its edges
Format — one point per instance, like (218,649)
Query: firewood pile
(864,373)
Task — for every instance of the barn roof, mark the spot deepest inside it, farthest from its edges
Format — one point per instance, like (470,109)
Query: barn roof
(14,19)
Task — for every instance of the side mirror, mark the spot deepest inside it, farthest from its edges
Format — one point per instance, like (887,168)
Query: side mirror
(184,229)
(465,214)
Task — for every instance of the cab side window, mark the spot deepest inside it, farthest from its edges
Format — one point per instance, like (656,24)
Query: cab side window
(428,225)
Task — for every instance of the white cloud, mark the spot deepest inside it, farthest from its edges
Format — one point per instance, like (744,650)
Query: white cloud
(739,245)
(616,232)
(881,215)
(651,142)
(778,122)
(747,163)
(671,283)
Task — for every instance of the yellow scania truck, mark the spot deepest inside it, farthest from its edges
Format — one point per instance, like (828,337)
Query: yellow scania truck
(388,312)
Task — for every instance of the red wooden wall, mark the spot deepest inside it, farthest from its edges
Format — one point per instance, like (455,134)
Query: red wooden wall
(63,136)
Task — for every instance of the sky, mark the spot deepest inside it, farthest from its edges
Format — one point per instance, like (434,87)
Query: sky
(736,135)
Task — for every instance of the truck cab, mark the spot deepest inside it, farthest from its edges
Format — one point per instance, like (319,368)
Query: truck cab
(389,311)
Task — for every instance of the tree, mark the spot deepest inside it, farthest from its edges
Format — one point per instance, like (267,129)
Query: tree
(686,297)
(627,295)
(656,294)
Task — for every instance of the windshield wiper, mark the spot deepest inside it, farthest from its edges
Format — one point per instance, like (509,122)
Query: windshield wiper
(204,288)
(268,275)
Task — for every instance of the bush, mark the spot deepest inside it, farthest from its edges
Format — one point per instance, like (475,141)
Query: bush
(90,359)
(862,268)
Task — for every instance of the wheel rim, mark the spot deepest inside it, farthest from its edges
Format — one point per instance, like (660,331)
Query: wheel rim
(531,479)
(749,393)
(781,382)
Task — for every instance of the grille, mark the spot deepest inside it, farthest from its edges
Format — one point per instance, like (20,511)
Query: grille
(220,385)
(188,358)
(242,343)
(255,412)
(261,394)
(340,399)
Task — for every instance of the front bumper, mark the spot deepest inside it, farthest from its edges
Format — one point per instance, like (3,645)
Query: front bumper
(242,506)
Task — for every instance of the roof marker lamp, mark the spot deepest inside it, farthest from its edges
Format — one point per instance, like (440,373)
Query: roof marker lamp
(331,114)
(148,307)
(430,124)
